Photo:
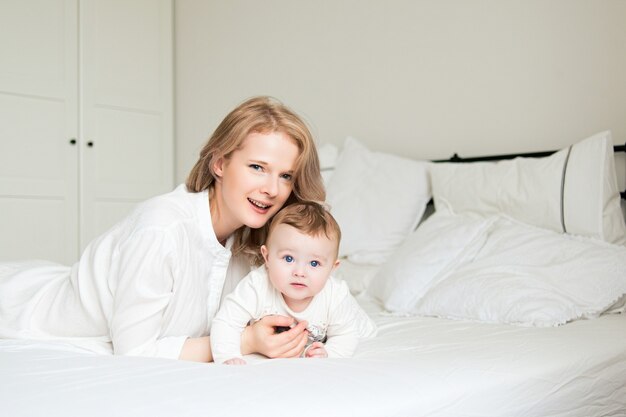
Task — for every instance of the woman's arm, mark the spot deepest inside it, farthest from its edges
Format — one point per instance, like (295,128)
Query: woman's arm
(197,349)
(256,338)
(142,283)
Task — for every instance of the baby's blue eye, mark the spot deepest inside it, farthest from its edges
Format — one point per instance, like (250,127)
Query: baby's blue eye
(288,258)
(315,264)
(256,167)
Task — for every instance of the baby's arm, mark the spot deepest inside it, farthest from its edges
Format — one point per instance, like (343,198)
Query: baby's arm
(316,350)
(347,324)
(235,361)
(342,343)
(236,311)
(226,338)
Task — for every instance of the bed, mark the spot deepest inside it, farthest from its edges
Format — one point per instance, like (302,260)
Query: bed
(485,308)
(416,366)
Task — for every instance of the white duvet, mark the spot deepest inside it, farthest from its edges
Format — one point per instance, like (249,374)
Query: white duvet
(426,367)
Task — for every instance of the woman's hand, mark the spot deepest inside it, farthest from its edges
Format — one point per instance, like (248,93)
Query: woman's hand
(260,337)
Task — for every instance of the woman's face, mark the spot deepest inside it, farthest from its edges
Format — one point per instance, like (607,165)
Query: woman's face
(254,183)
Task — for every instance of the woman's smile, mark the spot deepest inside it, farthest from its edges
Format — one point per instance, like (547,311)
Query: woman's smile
(259,206)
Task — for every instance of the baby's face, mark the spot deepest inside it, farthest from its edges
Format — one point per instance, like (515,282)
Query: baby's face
(298,264)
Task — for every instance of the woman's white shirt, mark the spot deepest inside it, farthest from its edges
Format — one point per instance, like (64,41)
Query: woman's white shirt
(149,283)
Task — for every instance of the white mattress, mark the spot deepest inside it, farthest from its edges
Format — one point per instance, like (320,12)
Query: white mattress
(414,367)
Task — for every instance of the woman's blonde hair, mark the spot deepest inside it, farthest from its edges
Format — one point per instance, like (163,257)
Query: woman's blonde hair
(259,115)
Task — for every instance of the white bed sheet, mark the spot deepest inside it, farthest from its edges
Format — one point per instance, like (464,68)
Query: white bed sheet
(415,367)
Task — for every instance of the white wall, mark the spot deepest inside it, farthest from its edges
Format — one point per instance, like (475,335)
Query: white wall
(420,78)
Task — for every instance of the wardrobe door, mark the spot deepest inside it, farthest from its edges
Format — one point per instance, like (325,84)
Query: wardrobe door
(38,127)
(127,117)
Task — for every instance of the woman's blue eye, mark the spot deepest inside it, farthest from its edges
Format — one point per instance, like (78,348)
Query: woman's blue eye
(288,258)
(287,177)
(315,264)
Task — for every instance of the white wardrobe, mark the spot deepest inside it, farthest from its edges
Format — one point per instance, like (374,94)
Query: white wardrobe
(86,119)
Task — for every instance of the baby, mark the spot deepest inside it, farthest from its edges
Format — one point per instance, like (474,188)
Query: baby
(299,256)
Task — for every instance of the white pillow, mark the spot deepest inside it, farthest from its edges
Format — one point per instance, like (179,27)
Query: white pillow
(618,307)
(530,276)
(437,246)
(377,199)
(357,276)
(327,154)
(591,198)
(574,190)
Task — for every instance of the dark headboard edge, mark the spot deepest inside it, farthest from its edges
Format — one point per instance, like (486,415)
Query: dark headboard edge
(457,158)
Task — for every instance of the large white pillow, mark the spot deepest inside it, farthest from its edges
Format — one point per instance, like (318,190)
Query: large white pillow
(437,246)
(377,199)
(574,190)
(526,275)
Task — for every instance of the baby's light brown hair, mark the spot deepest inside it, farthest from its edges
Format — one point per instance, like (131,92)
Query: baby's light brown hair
(310,218)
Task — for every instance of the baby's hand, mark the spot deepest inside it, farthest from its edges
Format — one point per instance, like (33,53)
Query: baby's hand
(235,361)
(316,350)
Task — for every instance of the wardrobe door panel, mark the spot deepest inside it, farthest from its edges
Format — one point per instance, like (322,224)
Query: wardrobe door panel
(38,45)
(33,146)
(126,143)
(39,108)
(125,55)
(34,229)
(108,213)
(126,90)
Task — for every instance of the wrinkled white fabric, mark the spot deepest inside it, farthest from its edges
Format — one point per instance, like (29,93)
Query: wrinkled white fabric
(415,366)
(438,245)
(499,270)
(528,276)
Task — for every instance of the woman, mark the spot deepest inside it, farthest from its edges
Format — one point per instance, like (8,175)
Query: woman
(152,284)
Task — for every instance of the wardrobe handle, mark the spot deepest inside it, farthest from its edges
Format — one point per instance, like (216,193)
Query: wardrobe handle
(90,144)
(72,141)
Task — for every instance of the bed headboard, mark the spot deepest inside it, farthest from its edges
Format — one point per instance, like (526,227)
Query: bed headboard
(456,158)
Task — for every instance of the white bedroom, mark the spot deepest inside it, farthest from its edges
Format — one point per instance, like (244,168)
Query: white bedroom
(497,285)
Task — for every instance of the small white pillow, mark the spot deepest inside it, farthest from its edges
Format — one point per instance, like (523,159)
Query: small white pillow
(377,199)
(438,245)
(573,191)
(327,154)
(357,276)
